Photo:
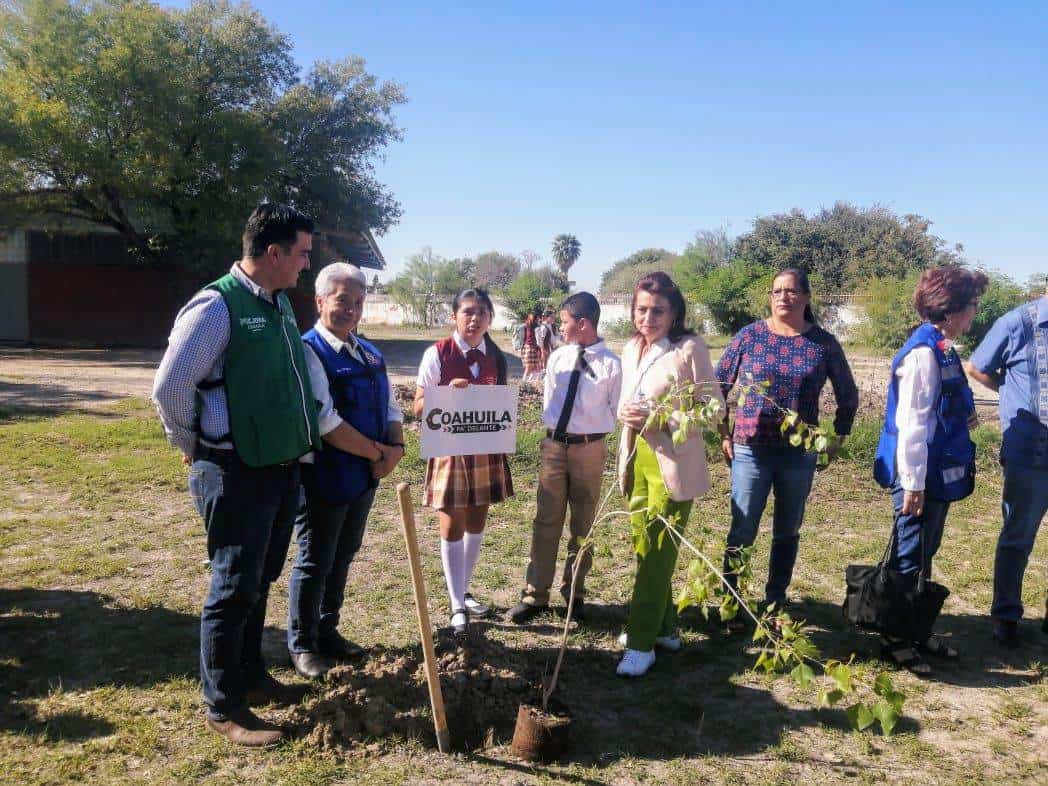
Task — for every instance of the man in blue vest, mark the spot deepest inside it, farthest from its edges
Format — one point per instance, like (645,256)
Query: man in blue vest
(1013,360)
(234,396)
(360,422)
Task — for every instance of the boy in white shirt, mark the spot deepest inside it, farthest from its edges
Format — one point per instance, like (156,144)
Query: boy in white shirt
(580,397)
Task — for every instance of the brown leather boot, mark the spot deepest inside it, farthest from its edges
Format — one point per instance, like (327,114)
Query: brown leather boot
(245,728)
(267,690)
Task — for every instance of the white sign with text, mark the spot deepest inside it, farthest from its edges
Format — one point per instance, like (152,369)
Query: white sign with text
(469,421)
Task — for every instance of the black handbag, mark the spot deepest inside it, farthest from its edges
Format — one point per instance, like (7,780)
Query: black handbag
(891,603)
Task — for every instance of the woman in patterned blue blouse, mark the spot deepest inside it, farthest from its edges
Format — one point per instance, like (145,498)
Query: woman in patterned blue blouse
(796,357)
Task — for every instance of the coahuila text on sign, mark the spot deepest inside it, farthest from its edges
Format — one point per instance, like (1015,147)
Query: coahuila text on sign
(468,422)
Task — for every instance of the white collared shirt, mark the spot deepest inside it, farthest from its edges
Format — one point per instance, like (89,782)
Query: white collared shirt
(328,417)
(636,383)
(597,397)
(919,383)
(429,368)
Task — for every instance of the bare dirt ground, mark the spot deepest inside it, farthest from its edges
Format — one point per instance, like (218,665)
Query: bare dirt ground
(71,379)
(90,378)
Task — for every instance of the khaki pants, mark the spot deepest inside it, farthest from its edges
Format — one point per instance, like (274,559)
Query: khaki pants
(570,477)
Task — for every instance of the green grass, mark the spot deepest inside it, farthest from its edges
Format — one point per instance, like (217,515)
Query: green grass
(102,576)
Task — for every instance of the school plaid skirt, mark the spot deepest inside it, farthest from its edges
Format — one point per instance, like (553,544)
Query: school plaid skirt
(530,358)
(464,481)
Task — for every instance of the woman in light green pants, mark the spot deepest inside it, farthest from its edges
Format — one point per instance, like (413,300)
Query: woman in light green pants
(658,477)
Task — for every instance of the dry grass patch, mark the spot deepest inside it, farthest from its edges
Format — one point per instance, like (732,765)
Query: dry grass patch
(102,574)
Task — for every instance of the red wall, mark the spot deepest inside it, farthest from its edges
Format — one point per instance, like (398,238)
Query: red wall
(115,305)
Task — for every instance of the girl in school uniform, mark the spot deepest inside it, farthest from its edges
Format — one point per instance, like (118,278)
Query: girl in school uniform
(460,488)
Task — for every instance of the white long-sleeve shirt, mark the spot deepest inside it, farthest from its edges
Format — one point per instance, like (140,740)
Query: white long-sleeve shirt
(597,395)
(919,383)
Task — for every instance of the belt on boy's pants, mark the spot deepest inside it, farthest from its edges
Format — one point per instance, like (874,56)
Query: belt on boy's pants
(573,439)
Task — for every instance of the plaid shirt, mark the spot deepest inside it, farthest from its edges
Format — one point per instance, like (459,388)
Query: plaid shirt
(797,367)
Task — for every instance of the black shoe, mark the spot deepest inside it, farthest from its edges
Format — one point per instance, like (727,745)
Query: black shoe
(460,622)
(475,608)
(311,665)
(1006,633)
(524,612)
(267,690)
(337,647)
(579,612)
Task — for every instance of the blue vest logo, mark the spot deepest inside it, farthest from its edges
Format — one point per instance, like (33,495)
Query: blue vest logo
(360,392)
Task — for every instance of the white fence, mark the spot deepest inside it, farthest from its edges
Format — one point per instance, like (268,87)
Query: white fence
(839,315)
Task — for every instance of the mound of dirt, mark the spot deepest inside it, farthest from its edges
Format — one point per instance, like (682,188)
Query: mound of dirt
(483,684)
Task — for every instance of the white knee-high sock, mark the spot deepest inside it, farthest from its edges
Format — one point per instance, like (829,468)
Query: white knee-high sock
(472,553)
(452,557)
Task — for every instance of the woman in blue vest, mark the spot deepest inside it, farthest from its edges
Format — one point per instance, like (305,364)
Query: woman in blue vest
(360,423)
(925,455)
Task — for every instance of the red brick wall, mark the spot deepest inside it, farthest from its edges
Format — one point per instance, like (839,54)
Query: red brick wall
(115,305)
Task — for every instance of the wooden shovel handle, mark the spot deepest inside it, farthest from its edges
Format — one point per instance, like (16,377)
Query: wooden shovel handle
(436,698)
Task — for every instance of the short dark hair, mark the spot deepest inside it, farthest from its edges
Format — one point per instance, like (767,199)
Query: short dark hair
(474,293)
(582,305)
(658,283)
(272,223)
(946,290)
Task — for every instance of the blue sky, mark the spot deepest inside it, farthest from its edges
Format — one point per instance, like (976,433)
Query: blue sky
(636,124)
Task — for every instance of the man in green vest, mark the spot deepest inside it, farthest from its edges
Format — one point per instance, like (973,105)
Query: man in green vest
(234,396)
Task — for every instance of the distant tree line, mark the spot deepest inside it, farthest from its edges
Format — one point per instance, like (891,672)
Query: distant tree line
(429,281)
(867,252)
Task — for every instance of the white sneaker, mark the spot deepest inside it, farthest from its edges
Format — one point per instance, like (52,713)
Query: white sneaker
(668,643)
(635,663)
(475,607)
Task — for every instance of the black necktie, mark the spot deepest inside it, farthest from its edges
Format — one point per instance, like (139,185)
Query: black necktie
(569,401)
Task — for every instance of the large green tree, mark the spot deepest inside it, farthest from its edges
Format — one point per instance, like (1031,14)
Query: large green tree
(169,125)
(846,245)
(566,252)
(495,271)
(528,291)
(621,276)
(733,293)
(427,284)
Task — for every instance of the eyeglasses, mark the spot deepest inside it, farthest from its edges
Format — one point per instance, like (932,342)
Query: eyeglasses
(781,293)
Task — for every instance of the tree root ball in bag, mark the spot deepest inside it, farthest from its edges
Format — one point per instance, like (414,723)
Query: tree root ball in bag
(542,736)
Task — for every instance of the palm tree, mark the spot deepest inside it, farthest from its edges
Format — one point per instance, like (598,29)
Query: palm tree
(566,251)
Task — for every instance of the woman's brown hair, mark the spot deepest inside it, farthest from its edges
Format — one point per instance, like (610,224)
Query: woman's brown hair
(946,290)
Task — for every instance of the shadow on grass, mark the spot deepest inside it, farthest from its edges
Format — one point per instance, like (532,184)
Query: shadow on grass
(690,705)
(686,706)
(80,641)
(35,401)
(982,662)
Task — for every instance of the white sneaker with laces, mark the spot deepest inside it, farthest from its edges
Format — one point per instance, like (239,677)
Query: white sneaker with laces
(475,607)
(635,663)
(668,643)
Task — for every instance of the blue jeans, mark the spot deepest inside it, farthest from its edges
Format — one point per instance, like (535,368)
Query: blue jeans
(248,514)
(1024,503)
(328,538)
(755,472)
(909,530)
